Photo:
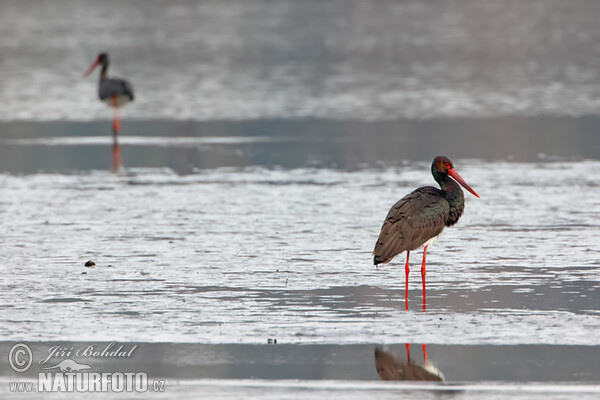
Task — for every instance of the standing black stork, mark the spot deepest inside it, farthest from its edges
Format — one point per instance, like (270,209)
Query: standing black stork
(419,218)
(116,92)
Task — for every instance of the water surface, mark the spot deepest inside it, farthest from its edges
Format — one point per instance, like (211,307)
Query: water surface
(247,249)
(227,371)
(266,143)
(337,59)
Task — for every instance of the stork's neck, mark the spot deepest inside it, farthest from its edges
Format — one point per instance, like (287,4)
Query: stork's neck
(453,194)
(104,70)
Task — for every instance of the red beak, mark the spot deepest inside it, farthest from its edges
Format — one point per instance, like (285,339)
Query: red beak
(454,175)
(94,65)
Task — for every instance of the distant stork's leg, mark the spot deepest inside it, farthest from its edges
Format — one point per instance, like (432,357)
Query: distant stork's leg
(424,346)
(117,160)
(407,271)
(117,116)
(408,352)
(423,274)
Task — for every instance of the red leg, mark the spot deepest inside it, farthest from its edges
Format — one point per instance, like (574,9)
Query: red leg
(423,273)
(408,352)
(424,346)
(116,117)
(407,271)
(117,160)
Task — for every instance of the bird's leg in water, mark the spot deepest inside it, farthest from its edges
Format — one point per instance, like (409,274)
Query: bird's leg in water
(407,271)
(423,273)
(117,161)
(424,346)
(117,116)
(408,353)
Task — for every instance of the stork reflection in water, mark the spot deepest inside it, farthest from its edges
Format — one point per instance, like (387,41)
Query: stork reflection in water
(389,368)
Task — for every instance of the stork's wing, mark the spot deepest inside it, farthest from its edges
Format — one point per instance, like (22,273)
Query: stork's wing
(110,87)
(411,222)
(128,89)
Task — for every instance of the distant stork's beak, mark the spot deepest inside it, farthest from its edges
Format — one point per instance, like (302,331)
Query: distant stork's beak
(93,66)
(454,175)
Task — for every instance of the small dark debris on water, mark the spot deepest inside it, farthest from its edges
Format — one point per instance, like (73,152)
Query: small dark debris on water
(109,266)
(84,273)
(90,263)
(271,341)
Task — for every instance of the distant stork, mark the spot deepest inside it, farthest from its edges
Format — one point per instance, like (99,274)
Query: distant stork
(116,92)
(419,218)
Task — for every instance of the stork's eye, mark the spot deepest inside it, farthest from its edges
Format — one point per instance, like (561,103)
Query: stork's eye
(446,165)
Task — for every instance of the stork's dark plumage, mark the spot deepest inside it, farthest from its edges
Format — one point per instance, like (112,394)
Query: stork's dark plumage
(389,368)
(116,92)
(421,216)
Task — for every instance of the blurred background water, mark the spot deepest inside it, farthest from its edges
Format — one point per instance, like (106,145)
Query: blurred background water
(339,59)
(265,145)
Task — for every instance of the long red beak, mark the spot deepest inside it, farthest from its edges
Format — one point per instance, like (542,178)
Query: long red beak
(89,71)
(460,180)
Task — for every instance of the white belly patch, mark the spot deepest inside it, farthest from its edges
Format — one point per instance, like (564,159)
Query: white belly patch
(121,101)
(432,240)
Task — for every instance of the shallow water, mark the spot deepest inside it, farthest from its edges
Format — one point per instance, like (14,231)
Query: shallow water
(237,254)
(228,371)
(238,249)
(339,59)
(266,143)
(246,235)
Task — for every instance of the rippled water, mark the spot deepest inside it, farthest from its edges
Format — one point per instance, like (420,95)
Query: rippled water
(239,255)
(267,141)
(215,60)
(245,235)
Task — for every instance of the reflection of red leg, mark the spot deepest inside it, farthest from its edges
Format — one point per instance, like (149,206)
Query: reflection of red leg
(423,274)
(424,346)
(116,122)
(117,161)
(408,353)
(407,271)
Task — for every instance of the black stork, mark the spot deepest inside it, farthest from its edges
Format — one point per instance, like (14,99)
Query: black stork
(116,92)
(419,218)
